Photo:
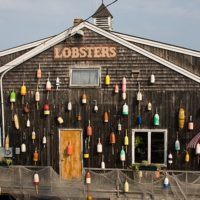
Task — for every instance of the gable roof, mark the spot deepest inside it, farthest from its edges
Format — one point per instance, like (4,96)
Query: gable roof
(23,47)
(102,11)
(158,44)
(71,31)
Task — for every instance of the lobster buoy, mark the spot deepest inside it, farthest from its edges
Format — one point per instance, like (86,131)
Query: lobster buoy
(105,117)
(46,109)
(35,156)
(139,96)
(126,186)
(126,140)
(197,149)
(13,97)
(88,178)
(89,129)
(39,73)
(170,158)
(125,109)
(57,83)
(123,95)
(112,141)
(122,155)
(166,182)
(95,106)
(37,96)
(16,121)
(84,99)
(112,138)
(86,154)
(23,147)
(156,119)
(79,116)
(181,118)
(28,123)
(7,142)
(44,141)
(116,90)
(99,146)
(190,124)
(60,120)
(152,79)
(139,120)
(69,149)
(149,106)
(36,181)
(187,157)
(103,166)
(33,136)
(177,145)
(23,90)
(69,106)
(124,85)
(89,197)
(48,85)
(119,127)
(26,108)
(107,79)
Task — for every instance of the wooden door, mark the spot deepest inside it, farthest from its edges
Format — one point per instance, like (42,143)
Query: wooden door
(70,166)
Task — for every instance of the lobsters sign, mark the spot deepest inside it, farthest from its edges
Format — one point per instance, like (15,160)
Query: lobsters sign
(89,52)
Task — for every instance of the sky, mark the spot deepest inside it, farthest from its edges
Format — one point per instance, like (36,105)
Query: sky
(170,21)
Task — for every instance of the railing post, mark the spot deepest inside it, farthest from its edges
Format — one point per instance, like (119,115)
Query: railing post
(20,178)
(117,183)
(186,184)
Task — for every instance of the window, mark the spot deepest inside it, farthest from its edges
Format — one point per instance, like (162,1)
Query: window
(85,77)
(149,145)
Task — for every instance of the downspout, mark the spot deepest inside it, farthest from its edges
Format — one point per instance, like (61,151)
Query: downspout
(2,142)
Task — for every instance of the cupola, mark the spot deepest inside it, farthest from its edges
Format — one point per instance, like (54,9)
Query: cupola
(103,18)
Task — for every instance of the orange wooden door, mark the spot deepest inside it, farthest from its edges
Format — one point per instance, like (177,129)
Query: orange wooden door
(70,166)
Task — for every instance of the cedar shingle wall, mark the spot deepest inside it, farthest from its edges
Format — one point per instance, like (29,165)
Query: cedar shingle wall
(166,94)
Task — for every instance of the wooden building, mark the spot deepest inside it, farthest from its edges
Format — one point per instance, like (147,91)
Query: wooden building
(92,77)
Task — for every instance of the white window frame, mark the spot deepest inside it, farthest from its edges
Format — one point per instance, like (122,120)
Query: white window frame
(98,68)
(149,131)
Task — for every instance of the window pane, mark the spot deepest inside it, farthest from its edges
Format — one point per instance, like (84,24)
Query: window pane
(141,146)
(85,77)
(157,147)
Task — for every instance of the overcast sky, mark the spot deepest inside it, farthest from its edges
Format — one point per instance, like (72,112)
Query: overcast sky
(170,21)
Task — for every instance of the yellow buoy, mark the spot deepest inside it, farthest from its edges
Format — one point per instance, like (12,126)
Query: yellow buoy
(187,157)
(181,118)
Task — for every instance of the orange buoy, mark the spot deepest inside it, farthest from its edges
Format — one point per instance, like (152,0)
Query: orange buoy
(69,149)
(112,141)
(89,130)
(35,156)
(105,117)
